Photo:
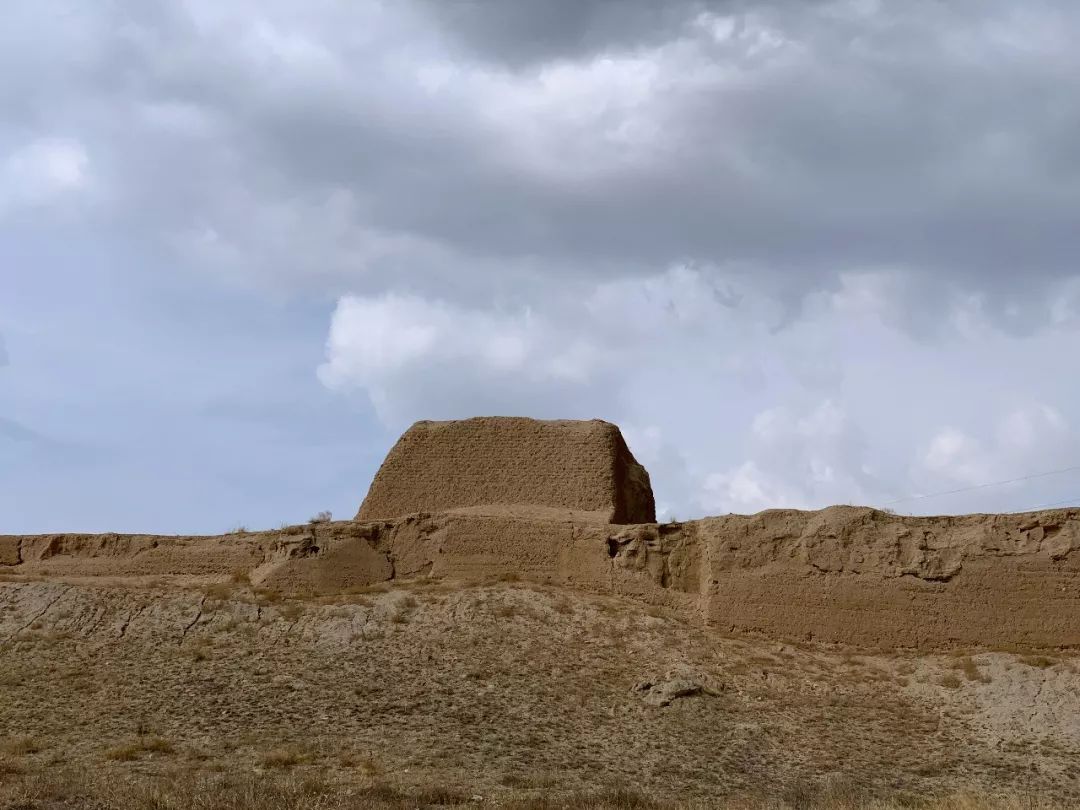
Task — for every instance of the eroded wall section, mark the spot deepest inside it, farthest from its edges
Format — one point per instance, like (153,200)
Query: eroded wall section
(844,574)
(578,466)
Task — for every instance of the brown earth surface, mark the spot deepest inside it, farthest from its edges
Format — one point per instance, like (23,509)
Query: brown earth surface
(503,689)
(848,575)
(522,643)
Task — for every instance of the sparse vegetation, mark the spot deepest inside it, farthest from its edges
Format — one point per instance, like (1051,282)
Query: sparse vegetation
(971,670)
(284,789)
(321,517)
(283,758)
(950,681)
(20,746)
(408,668)
(1038,661)
(240,577)
(218,590)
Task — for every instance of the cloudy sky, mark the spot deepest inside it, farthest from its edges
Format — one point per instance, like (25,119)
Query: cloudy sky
(803,251)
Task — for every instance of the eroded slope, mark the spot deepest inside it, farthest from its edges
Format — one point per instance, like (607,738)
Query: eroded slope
(499,687)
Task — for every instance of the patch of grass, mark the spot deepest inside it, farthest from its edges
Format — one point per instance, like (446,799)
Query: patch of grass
(364,763)
(131,751)
(20,746)
(9,768)
(291,611)
(283,758)
(123,753)
(219,591)
(156,745)
(284,790)
(267,596)
(1038,661)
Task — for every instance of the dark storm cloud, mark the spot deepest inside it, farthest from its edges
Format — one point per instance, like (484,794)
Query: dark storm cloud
(793,140)
(522,33)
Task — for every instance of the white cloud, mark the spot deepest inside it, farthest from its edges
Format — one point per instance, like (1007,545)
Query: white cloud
(958,457)
(399,348)
(42,172)
(797,460)
(843,405)
(1027,446)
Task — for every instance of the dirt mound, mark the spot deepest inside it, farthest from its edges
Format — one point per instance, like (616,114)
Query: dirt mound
(574,465)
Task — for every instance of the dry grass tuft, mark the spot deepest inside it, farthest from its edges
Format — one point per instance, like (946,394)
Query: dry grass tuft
(950,681)
(240,577)
(131,751)
(1038,661)
(49,790)
(219,591)
(20,746)
(971,670)
(283,758)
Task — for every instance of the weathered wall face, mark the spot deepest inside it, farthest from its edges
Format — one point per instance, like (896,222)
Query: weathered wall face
(868,578)
(844,574)
(566,503)
(577,466)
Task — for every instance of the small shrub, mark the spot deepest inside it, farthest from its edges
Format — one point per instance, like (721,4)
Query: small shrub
(971,670)
(1037,661)
(950,681)
(322,517)
(156,745)
(240,577)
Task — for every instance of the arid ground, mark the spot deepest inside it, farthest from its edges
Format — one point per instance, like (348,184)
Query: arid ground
(503,690)
(500,634)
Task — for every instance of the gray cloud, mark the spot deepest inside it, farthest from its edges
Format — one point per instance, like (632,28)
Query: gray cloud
(792,140)
(521,34)
(862,191)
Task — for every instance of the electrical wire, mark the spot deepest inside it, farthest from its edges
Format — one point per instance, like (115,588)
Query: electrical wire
(983,486)
(1069,501)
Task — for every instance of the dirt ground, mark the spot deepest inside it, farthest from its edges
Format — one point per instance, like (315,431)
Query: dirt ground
(504,690)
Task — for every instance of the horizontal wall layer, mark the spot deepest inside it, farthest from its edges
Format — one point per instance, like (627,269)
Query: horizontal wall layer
(844,574)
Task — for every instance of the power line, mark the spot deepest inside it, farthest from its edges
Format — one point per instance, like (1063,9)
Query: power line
(983,486)
(1071,501)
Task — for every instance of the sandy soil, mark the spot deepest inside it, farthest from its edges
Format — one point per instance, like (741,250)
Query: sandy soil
(503,689)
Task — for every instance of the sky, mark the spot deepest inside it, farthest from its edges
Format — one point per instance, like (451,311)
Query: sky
(802,252)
